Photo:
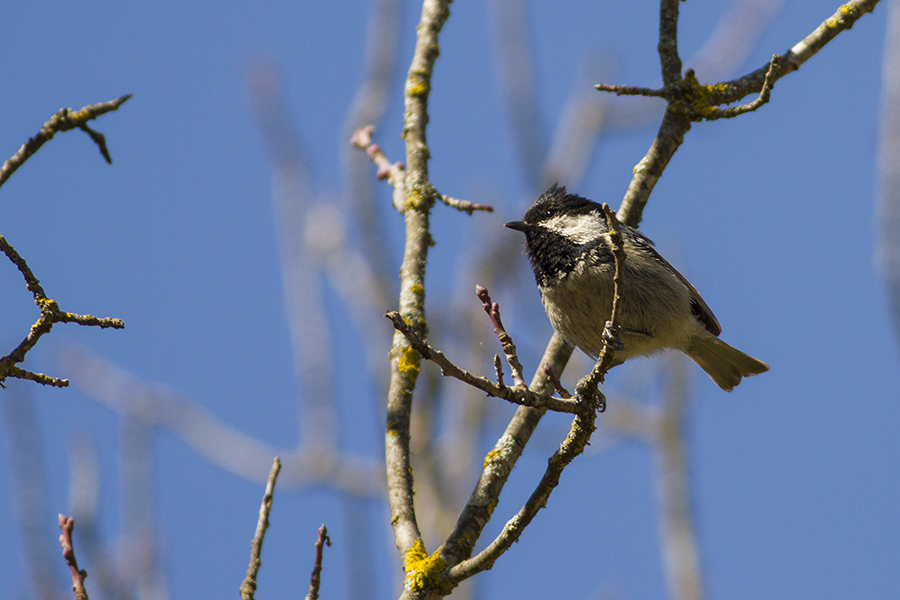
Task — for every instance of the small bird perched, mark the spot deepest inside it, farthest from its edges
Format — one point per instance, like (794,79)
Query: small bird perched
(566,238)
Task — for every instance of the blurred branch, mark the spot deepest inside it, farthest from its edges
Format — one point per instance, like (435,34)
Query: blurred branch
(28,489)
(368,108)
(292,199)
(64,120)
(139,559)
(519,87)
(889,166)
(681,556)
(315,577)
(394,173)
(737,32)
(248,588)
(67,525)
(108,574)
(217,441)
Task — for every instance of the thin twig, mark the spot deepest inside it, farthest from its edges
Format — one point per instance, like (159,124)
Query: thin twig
(610,330)
(248,588)
(315,578)
(557,384)
(517,395)
(763,97)
(629,90)
(394,173)
(464,205)
(498,369)
(509,348)
(67,525)
(50,314)
(64,120)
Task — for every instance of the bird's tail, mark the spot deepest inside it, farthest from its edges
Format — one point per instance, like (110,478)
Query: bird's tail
(724,364)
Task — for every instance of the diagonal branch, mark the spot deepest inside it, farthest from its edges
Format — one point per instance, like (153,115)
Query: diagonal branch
(690,101)
(50,314)
(248,588)
(589,401)
(517,395)
(64,120)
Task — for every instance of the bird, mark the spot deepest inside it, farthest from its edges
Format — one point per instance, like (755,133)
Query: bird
(567,241)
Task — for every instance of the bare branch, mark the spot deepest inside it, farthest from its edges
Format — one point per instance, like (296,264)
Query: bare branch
(668,42)
(248,588)
(690,101)
(506,342)
(557,384)
(394,173)
(64,120)
(763,97)
(629,90)
(501,459)
(67,525)
(517,395)
(419,199)
(315,578)
(464,205)
(610,331)
(50,314)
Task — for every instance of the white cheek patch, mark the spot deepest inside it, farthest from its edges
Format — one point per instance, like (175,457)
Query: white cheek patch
(579,229)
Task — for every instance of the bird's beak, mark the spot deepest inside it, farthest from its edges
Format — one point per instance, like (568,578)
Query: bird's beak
(519,226)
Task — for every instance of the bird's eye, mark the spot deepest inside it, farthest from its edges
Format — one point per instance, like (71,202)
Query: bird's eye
(549,212)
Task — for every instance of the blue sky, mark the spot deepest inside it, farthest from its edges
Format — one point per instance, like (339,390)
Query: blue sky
(770,215)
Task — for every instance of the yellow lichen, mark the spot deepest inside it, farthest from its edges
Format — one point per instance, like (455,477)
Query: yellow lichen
(417,85)
(696,99)
(490,456)
(409,364)
(413,199)
(417,289)
(421,569)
